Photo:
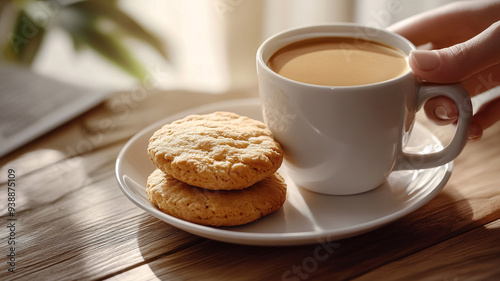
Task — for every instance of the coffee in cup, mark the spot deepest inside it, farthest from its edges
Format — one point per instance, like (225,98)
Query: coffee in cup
(338,61)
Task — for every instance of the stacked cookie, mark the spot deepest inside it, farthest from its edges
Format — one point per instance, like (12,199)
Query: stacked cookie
(216,169)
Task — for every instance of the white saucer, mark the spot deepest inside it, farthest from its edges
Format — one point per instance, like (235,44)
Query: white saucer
(306,217)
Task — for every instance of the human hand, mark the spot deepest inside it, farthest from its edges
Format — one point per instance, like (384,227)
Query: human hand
(458,42)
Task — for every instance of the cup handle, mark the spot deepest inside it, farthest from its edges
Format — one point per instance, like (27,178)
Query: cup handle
(410,161)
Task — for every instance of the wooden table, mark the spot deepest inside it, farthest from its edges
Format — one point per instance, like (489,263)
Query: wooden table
(72,222)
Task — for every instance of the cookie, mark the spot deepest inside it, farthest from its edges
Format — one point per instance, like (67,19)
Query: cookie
(215,207)
(217,151)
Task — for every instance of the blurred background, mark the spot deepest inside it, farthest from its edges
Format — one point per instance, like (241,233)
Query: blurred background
(200,45)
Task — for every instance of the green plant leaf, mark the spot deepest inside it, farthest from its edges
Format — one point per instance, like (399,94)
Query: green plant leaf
(108,10)
(25,40)
(109,47)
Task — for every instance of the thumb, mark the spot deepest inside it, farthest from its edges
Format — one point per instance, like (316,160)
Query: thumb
(456,63)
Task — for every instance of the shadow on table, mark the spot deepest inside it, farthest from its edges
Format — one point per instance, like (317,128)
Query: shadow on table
(444,217)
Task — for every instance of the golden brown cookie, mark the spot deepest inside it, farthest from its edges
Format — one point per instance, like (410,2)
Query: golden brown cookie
(215,207)
(217,151)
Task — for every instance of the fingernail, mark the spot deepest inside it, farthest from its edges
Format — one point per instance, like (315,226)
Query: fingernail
(441,112)
(425,60)
(475,132)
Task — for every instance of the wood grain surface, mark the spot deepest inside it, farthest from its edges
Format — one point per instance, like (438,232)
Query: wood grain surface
(74,223)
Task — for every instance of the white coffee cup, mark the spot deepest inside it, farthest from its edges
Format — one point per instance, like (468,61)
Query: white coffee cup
(348,139)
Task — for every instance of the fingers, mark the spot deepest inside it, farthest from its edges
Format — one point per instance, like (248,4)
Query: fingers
(488,115)
(482,81)
(449,24)
(466,36)
(456,63)
(430,26)
(443,111)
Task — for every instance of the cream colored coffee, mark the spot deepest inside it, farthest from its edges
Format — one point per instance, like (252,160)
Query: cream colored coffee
(336,61)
